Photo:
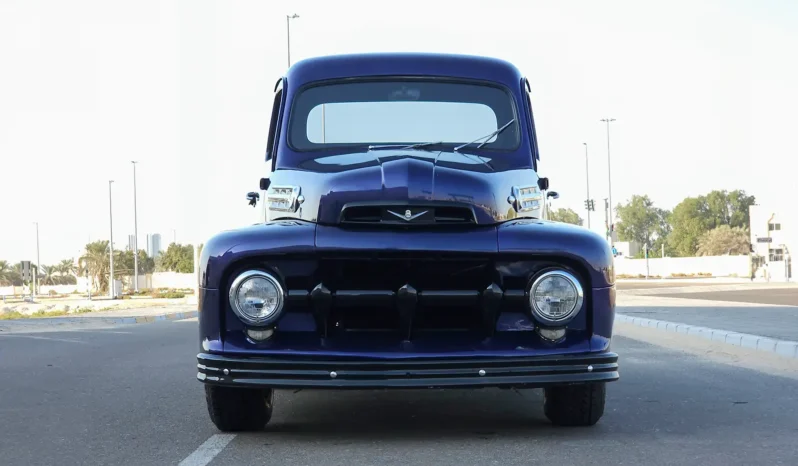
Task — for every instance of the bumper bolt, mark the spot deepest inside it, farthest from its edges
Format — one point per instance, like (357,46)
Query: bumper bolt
(481,372)
(590,368)
(226,372)
(333,374)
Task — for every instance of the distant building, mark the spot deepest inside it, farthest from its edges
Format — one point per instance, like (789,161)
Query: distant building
(774,236)
(154,245)
(131,242)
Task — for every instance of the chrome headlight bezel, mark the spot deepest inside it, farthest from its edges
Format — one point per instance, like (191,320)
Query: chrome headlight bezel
(284,198)
(564,319)
(525,198)
(233,298)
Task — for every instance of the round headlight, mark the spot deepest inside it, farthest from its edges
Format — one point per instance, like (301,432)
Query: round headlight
(555,296)
(256,297)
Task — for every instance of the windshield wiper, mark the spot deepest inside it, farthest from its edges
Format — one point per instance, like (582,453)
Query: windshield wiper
(495,133)
(420,145)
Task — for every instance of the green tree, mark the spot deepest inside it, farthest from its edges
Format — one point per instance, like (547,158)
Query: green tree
(729,208)
(724,240)
(66,271)
(95,264)
(47,275)
(7,274)
(565,216)
(177,258)
(695,216)
(642,222)
(146,263)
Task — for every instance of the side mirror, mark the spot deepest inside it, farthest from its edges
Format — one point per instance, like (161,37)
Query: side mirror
(553,194)
(253,197)
(264,183)
(543,184)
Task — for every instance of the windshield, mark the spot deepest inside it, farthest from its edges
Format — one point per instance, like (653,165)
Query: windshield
(402,112)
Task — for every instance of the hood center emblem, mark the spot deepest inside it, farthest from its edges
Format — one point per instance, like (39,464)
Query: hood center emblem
(408,216)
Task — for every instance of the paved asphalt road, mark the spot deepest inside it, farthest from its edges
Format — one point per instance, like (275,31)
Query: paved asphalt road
(777,296)
(128,395)
(640,285)
(721,310)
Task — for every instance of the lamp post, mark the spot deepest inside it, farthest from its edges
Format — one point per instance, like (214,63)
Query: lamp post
(587,182)
(36,274)
(135,235)
(111,243)
(288,19)
(609,175)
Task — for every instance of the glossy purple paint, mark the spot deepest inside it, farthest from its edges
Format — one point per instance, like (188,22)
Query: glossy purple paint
(331,178)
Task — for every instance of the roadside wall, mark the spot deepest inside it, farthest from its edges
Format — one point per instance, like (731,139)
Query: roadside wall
(716,266)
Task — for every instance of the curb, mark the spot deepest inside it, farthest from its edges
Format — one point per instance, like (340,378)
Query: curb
(155,318)
(115,320)
(783,348)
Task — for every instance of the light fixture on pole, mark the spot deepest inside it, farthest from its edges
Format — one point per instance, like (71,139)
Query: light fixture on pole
(36,274)
(135,234)
(587,182)
(288,19)
(609,175)
(111,243)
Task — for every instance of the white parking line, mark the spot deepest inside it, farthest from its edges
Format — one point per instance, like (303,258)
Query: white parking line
(44,338)
(100,330)
(208,450)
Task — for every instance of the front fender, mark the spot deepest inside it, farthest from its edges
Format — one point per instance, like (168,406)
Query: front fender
(275,238)
(541,237)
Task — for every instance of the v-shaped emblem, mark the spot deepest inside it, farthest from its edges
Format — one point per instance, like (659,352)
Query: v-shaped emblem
(408,216)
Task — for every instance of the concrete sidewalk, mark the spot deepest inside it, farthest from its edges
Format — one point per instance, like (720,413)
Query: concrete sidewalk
(100,319)
(704,288)
(772,321)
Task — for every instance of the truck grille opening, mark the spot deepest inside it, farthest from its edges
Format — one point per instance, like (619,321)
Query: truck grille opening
(410,215)
(366,293)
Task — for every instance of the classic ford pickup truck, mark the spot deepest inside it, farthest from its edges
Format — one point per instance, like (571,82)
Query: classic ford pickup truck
(404,245)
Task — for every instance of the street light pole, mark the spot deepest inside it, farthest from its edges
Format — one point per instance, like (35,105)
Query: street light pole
(587,181)
(135,235)
(111,243)
(288,19)
(609,174)
(36,274)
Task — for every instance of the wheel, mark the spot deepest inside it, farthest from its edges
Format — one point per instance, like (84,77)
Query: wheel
(574,405)
(238,409)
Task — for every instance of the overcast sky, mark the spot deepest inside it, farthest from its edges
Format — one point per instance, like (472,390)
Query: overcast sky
(704,92)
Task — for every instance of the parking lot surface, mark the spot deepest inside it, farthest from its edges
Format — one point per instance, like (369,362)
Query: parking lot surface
(128,395)
(776,296)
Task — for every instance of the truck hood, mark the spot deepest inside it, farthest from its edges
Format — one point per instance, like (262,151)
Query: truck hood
(329,183)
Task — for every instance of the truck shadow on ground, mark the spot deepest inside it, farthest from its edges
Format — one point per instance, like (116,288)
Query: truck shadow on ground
(408,414)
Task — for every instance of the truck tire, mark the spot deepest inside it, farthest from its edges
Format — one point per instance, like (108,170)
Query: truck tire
(574,405)
(239,409)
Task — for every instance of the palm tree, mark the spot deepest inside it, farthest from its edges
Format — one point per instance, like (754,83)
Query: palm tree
(47,274)
(6,273)
(95,263)
(67,272)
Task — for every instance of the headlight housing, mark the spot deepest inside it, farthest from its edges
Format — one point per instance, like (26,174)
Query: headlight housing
(256,297)
(555,297)
(284,198)
(525,198)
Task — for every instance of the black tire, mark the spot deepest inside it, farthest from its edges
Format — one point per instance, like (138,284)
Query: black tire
(574,405)
(238,409)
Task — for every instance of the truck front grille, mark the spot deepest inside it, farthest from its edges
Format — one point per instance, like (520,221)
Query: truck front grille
(407,215)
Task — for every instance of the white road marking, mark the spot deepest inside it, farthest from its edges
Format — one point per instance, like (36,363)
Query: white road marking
(208,450)
(44,338)
(100,330)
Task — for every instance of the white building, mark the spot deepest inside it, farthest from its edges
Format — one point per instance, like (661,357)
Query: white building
(154,245)
(774,237)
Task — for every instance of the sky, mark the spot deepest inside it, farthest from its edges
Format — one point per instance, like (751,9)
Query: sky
(704,95)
